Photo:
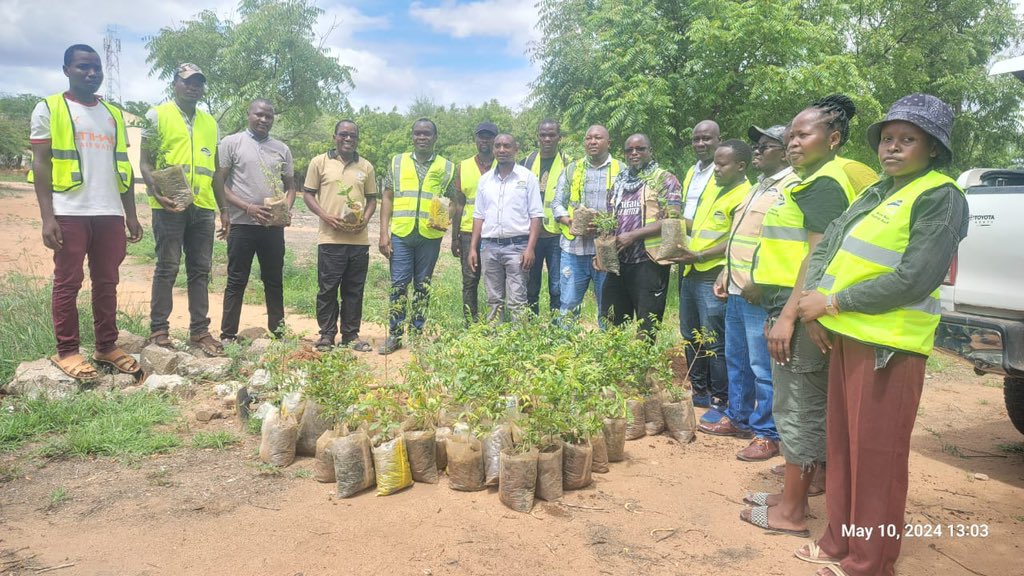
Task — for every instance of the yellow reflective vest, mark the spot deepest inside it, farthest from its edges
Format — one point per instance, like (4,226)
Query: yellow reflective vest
(194,150)
(67,168)
(713,220)
(689,178)
(873,247)
(746,230)
(469,177)
(548,186)
(575,179)
(412,196)
(783,244)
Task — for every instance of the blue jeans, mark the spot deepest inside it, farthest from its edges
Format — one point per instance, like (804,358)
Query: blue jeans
(547,251)
(412,260)
(699,308)
(577,273)
(749,367)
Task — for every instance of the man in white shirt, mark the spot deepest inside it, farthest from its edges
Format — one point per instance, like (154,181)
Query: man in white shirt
(506,224)
(84,184)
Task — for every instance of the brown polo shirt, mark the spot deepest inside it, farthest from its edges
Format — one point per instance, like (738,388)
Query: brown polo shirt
(335,183)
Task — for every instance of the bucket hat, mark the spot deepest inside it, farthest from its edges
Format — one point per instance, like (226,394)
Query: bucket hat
(926,112)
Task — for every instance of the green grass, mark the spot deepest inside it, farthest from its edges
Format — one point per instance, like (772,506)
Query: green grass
(938,363)
(1011,448)
(254,426)
(217,440)
(9,472)
(58,497)
(12,176)
(302,473)
(28,325)
(90,424)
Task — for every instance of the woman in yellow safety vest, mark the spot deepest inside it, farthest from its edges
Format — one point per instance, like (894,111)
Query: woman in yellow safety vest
(791,229)
(873,283)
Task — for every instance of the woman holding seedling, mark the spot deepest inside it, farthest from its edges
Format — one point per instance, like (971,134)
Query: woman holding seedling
(872,282)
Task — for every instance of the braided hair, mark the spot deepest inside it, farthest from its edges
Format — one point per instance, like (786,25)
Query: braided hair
(836,111)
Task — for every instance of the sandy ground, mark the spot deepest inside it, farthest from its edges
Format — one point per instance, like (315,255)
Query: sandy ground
(668,509)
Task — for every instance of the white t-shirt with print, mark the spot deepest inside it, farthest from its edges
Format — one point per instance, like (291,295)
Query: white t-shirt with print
(95,136)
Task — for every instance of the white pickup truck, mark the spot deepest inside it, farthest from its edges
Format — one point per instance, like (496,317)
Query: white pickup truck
(983,299)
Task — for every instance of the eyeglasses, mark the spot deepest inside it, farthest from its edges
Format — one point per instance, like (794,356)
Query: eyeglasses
(344,135)
(637,149)
(764,147)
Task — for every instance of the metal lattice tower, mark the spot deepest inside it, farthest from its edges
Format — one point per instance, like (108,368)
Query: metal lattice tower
(112,64)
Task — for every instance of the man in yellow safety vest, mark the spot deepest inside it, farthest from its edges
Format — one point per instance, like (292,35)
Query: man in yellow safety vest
(467,175)
(547,164)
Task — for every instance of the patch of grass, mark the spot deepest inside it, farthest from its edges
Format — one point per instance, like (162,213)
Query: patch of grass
(28,324)
(1019,519)
(993,384)
(160,477)
(1011,447)
(13,176)
(302,473)
(218,440)
(9,472)
(265,469)
(116,425)
(253,426)
(952,450)
(938,363)
(983,401)
(57,497)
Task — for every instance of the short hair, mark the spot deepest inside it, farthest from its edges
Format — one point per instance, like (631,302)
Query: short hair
(70,52)
(345,121)
(741,151)
(647,141)
(428,121)
(550,121)
(507,135)
(262,102)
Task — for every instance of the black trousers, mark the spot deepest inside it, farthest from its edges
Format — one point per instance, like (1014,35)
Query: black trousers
(638,292)
(341,268)
(267,244)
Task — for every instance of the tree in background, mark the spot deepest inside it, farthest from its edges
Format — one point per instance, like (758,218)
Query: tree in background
(271,52)
(15,114)
(660,66)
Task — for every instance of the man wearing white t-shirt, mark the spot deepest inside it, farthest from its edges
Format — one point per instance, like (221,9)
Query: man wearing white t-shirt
(84,185)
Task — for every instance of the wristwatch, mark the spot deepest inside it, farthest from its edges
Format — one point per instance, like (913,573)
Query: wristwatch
(700,257)
(830,306)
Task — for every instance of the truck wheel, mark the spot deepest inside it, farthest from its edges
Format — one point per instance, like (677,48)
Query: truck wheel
(1013,394)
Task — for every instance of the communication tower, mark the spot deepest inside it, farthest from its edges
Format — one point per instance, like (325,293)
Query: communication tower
(112,64)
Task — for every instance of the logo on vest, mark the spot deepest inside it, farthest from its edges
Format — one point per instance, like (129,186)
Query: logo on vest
(719,216)
(206,151)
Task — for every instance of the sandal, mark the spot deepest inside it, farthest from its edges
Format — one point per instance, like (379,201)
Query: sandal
(323,345)
(118,360)
(756,498)
(161,339)
(208,344)
(75,366)
(758,516)
(814,555)
(832,570)
(360,345)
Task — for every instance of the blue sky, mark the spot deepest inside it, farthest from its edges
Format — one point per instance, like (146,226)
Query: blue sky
(452,51)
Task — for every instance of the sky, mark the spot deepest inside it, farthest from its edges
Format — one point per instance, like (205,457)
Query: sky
(451,51)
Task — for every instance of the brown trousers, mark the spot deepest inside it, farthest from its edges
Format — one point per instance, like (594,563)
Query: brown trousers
(871,415)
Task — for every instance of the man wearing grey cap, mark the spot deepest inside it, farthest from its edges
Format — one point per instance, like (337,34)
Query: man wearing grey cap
(467,175)
(179,133)
(748,363)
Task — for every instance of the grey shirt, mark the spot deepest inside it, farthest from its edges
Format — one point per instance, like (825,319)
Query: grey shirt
(256,169)
(595,196)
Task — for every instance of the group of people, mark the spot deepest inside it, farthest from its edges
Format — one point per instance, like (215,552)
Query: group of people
(818,283)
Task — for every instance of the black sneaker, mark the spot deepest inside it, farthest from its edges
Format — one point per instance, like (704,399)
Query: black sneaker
(390,345)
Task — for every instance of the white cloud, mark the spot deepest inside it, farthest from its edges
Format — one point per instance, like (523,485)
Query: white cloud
(514,20)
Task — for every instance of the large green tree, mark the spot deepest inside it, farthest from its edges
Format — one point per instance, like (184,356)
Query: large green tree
(15,114)
(271,51)
(660,66)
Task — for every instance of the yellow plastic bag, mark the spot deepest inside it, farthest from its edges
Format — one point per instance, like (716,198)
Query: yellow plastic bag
(439,218)
(391,465)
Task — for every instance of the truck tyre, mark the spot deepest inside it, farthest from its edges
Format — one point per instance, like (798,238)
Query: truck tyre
(1013,394)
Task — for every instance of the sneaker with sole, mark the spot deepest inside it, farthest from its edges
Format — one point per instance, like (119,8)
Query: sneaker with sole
(758,450)
(389,346)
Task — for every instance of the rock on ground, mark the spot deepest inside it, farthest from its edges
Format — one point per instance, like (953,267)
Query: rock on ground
(259,347)
(205,368)
(130,343)
(157,360)
(205,414)
(259,380)
(171,383)
(41,379)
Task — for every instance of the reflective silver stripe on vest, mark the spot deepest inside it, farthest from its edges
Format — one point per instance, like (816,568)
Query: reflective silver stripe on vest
(711,235)
(471,201)
(410,214)
(929,306)
(784,233)
(827,282)
(66,154)
(121,156)
(124,176)
(871,253)
(405,193)
(76,176)
(203,171)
